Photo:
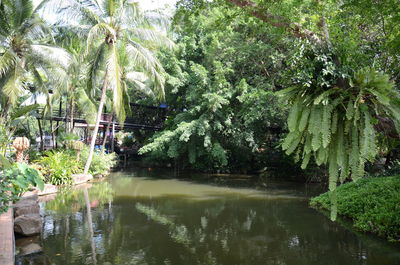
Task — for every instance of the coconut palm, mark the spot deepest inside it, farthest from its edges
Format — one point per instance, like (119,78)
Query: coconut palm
(26,53)
(73,89)
(120,40)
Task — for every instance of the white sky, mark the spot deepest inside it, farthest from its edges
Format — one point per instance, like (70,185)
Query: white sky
(154,4)
(146,4)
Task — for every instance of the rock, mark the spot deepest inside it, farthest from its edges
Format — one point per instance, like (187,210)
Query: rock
(28,225)
(48,189)
(27,206)
(30,249)
(81,178)
(29,197)
(28,245)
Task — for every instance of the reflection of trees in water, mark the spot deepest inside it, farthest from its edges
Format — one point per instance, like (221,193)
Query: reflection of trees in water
(70,214)
(71,199)
(173,230)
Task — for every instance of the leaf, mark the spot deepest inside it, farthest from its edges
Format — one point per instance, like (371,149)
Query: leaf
(293,117)
(23,110)
(325,95)
(306,160)
(304,119)
(4,162)
(350,110)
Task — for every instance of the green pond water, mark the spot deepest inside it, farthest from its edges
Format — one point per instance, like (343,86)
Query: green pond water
(138,218)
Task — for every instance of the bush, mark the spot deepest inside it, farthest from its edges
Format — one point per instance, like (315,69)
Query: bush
(57,166)
(16,179)
(101,163)
(372,203)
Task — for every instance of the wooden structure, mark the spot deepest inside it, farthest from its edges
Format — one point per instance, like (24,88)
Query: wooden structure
(142,117)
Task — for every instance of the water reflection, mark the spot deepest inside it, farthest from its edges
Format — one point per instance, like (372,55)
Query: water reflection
(144,221)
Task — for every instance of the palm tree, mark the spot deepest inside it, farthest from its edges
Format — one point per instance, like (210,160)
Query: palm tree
(73,90)
(120,40)
(27,57)
(26,53)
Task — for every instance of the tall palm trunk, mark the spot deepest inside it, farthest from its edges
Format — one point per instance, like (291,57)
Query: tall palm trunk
(106,132)
(41,135)
(96,127)
(71,125)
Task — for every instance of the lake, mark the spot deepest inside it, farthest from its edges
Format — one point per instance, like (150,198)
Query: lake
(148,218)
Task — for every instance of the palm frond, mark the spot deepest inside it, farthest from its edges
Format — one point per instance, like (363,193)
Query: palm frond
(13,84)
(113,80)
(152,36)
(4,20)
(21,11)
(7,61)
(149,64)
(51,56)
(139,81)
(86,106)
(95,66)
(75,11)
(99,31)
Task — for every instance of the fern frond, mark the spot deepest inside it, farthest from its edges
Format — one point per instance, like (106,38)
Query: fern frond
(294,115)
(306,160)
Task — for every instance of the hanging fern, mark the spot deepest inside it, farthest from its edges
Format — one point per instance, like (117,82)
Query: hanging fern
(336,126)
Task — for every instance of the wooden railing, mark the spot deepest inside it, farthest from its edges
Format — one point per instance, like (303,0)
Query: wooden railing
(142,117)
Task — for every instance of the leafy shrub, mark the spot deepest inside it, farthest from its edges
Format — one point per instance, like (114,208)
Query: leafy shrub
(101,163)
(57,166)
(15,180)
(372,203)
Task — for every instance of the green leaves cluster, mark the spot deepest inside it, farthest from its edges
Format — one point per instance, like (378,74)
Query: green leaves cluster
(219,90)
(372,203)
(58,166)
(16,179)
(336,126)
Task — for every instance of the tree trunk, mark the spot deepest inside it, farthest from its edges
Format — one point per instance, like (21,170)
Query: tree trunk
(40,130)
(59,115)
(41,135)
(106,131)
(72,125)
(277,21)
(96,127)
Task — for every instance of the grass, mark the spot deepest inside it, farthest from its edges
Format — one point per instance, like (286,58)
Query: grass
(372,203)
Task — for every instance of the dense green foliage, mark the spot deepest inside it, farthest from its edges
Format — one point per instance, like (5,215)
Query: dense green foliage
(101,163)
(58,166)
(220,90)
(372,203)
(336,126)
(229,62)
(16,179)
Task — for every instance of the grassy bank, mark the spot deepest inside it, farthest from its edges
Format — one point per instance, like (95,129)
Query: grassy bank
(372,203)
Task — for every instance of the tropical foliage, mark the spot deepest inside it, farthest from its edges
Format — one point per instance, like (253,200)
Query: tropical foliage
(16,179)
(372,203)
(58,166)
(220,90)
(336,125)
(117,42)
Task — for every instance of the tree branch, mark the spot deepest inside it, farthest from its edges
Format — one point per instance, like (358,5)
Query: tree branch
(278,21)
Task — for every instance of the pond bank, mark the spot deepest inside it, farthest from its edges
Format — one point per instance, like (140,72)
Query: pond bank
(7,238)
